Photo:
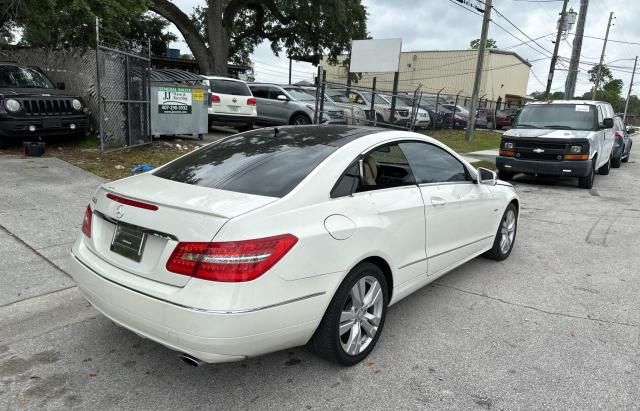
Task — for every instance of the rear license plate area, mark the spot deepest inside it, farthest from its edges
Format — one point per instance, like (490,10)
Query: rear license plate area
(128,242)
(234,109)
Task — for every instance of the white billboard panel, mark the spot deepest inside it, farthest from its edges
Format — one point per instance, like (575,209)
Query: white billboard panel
(374,56)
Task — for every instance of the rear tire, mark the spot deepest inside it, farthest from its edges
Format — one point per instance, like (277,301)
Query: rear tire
(626,159)
(505,175)
(506,235)
(604,170)
(587,181)
(351,326)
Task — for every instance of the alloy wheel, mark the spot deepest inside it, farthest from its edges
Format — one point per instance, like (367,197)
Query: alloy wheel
(361,315)
(508,230)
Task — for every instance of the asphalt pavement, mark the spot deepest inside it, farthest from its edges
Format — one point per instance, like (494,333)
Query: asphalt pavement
(556,326)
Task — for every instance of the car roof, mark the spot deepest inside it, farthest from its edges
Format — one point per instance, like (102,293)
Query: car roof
(312,135)
(224,78)
(568,102)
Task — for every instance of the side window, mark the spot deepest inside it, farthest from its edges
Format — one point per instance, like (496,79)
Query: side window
(600,115)
(260,92)
(348,183)
(431,164)
(274,93)
(386,167)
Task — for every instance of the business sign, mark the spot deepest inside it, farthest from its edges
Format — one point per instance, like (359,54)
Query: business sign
(375,56)
(174,100)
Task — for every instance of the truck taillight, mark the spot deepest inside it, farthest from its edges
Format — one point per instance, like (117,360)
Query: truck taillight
(231,261)
(86,221)
(251,101)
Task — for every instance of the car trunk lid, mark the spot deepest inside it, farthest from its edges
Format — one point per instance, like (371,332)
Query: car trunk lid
(138,221)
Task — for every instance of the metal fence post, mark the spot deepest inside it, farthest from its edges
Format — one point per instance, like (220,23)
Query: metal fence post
(315,112)
(100,128)
(373,99)
(324,81)
(437,101)
(455,107)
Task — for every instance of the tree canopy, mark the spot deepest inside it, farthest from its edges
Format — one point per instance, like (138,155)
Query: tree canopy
(225,30)
(63,23)
(491,44)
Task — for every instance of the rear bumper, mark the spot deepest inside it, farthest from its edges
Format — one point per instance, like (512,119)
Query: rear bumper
(223,119)
(552,168)
(212,336)
(19,127)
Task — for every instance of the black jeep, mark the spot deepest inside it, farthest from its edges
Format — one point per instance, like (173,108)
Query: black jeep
(31,106)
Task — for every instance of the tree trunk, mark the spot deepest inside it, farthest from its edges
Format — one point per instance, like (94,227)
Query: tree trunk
(206,61)
(218,41)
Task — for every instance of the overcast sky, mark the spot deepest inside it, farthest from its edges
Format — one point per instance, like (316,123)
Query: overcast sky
(444,25)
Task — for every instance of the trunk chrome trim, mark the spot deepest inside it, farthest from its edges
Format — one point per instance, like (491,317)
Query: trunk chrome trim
(135,227)
(245,311)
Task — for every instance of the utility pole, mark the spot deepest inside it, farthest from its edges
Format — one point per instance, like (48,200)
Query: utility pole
(626,104)
(479,67)
(604,48)
(572,75)
(554,58)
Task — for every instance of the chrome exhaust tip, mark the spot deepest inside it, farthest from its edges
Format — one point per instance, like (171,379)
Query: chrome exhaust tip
(190,360)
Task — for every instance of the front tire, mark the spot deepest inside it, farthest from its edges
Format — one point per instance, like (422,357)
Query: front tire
(300,120)
(506,235)
(587,181)
(604,170)
(355,317)
(505,175)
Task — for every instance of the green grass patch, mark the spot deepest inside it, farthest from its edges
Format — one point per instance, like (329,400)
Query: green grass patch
(482,140)
(484,164)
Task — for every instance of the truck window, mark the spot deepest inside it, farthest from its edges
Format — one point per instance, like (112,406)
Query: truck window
(559,116)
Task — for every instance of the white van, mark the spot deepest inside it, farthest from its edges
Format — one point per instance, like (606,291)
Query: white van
(232,103)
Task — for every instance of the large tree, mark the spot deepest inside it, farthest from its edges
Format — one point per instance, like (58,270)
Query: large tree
(64,23)
(225,30)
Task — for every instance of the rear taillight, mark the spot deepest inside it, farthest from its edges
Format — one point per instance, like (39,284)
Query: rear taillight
(617,135)
(232,261)
(215,98)
(251,101)
(86,222)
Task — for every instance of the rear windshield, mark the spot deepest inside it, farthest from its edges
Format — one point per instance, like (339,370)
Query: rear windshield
(234,88)
(260,163)
(557,116)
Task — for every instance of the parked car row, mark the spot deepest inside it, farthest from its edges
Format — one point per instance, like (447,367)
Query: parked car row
(571,138)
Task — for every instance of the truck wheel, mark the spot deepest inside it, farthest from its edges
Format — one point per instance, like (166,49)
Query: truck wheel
(587,181)
(505,175)
(604,170)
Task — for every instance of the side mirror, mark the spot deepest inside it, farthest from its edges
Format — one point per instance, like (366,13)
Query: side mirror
(60,86)
(607,123)
(486,176)
(282,97)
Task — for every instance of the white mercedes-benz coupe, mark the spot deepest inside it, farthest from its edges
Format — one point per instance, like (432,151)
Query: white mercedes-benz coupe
(280,237)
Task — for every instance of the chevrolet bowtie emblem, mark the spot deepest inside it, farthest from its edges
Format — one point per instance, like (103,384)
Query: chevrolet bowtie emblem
(538,150)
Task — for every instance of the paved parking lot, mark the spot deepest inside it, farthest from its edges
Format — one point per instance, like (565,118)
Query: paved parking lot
(555,326)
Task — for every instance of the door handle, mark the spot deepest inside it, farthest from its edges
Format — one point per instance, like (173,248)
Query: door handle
(438,201)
